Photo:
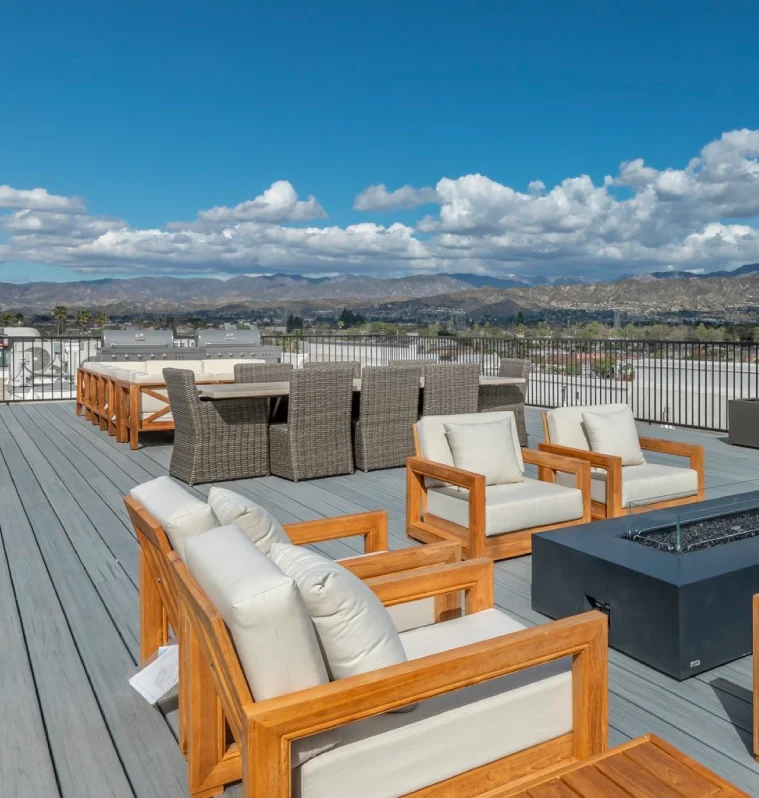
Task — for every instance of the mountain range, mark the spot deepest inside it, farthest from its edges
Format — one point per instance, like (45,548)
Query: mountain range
(500,297)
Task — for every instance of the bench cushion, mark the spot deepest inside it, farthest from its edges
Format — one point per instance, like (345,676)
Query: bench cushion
(181,514)
(355,630)
(509,508)
(397,754)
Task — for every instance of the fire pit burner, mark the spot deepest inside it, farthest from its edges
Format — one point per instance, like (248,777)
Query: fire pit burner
(703,534)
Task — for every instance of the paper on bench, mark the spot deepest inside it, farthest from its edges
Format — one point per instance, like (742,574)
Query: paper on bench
(159,676)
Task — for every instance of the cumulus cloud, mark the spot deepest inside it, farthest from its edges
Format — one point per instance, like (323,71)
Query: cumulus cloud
(698,216)
(38,199)
(378,198)
(278,204)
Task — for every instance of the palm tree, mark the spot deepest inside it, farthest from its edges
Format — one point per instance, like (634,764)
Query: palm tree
(7,320)
(82,317)
(60,312)
(101,319)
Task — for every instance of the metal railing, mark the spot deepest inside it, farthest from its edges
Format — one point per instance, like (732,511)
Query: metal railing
(684,383)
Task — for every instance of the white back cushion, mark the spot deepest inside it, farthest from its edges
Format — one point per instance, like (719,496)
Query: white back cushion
(356,632)
(266,616)
(181,514)
(614,433)
(433,442)
(486,449)
(565,424)
(256,522)
(220,365)
(156,367)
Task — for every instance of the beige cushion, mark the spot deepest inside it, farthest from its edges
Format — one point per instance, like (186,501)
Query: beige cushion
(396,754)
(413,614)
(486,449)
(509,508)
(255,521)
(433,443)
(181,514)
(614,433)
(565,424)
(266,617)
(217,365)
(156,367)
(643,484)
(355,630)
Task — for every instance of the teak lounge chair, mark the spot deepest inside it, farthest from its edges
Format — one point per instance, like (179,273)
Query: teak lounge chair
(444,502)
(481,720)
(615,489)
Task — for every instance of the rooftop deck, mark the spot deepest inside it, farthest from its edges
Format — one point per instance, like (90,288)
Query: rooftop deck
(70,725)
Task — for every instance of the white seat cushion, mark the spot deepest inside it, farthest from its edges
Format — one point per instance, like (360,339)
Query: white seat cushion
(509,508)
(643,484)
(615,434)
(565,426)
(395,754)
(181,514)
(255,521)
(486,449)
(355,630)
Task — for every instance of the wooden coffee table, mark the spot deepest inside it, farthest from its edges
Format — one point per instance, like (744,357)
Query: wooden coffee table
(641,768)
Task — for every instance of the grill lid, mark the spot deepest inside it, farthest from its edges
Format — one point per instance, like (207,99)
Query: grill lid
(219,339)
(137,339)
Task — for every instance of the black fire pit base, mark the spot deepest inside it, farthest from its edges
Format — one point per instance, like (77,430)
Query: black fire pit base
(682,614)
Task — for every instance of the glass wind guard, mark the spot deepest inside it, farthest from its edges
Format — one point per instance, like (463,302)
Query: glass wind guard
(687,527)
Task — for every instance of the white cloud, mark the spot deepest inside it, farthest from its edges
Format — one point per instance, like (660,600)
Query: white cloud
(378,198)
(38,199)
(698,217)
(278,204)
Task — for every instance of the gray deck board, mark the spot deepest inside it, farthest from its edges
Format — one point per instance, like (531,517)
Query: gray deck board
(69,723)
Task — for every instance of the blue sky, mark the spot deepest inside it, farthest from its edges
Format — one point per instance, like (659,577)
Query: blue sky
(153,112)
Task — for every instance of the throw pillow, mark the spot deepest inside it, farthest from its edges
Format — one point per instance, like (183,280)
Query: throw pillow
(486,449)
(615,434)
(256,522)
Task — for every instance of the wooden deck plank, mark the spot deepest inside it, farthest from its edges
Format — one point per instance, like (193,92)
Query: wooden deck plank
(149,761)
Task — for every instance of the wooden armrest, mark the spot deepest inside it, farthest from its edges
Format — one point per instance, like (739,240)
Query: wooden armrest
(372,525)
(670,447)
(281,720)
(475,577)
(556,462)
(596,459)
(412,558)
(444,473)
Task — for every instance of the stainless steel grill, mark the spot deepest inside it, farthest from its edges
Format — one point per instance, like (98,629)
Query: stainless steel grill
(235,344)
(131,345)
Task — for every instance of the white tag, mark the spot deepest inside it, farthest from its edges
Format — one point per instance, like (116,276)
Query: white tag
(157,678)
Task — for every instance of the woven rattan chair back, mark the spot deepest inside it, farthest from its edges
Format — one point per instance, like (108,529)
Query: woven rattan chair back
(421,363)
(182,391)
(513,367)
(389,408)
(263,372)
(451,388)
(334,364)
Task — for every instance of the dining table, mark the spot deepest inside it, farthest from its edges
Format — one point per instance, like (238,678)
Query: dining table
(275,390)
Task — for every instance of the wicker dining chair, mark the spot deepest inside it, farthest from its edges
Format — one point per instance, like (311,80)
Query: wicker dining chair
(509,397)
(420,362)
(334,364)
(384,432)
(215,440)
(263,372)
(451,388)
(316,441)
(268,372)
